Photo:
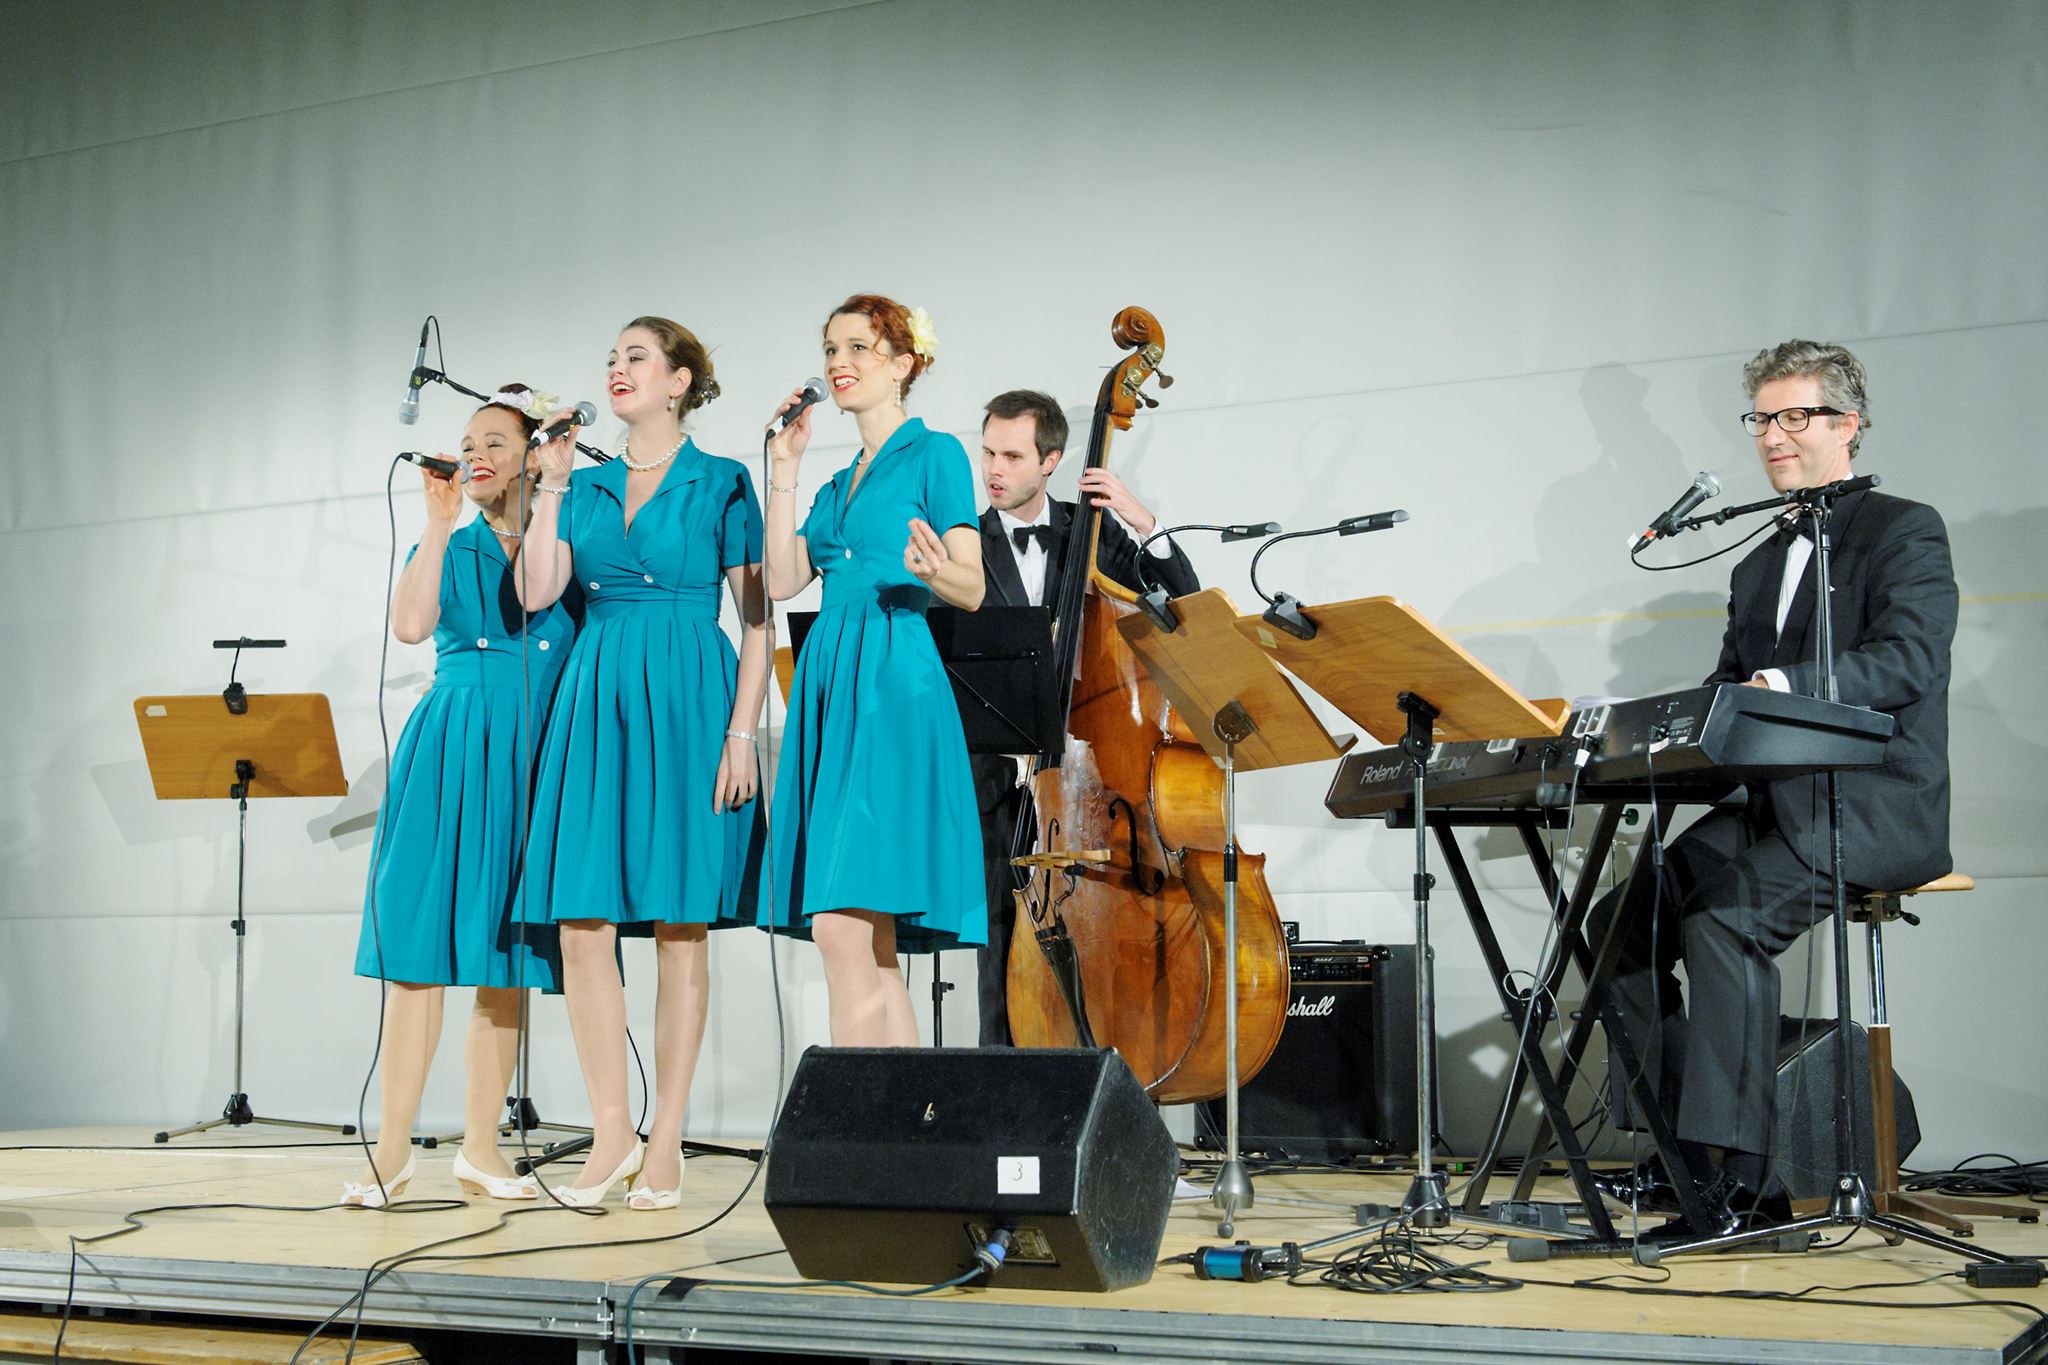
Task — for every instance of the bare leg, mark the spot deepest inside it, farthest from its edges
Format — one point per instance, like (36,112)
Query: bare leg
(869,1004)
(597,1020)
(490,1053)
(856,1006)
(899,1017)
(412,1030)
(682,999)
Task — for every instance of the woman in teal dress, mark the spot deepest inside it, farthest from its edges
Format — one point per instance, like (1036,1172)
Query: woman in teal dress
(437,911)
(877,841)
(644,821)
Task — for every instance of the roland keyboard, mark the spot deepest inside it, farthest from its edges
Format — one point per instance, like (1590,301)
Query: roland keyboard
(1703,742)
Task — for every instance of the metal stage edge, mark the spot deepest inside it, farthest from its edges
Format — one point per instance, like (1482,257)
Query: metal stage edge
(768,1319)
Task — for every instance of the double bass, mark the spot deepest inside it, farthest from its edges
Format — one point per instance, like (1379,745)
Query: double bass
(1125,945)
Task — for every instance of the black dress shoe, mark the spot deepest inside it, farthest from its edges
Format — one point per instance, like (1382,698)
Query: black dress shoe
(1727,1206)
(1640,1187)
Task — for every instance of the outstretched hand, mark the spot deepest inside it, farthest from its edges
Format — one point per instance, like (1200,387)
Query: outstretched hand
(925,554)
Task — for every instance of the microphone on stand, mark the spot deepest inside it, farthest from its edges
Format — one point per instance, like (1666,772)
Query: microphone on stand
(814,392)
(409,410)
(1704,485)
(584,416)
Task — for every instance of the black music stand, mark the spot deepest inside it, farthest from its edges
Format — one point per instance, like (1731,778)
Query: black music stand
(238,745)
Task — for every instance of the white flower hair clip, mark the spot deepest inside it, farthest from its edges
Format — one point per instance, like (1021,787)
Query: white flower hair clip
(534,403)
(923,339)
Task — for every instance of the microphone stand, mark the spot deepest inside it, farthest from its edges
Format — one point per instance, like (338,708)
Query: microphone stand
(424,376)
(1850,1205)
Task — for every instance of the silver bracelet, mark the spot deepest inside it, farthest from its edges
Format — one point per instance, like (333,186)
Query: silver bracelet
(556,489)
(774,487)
(747,735)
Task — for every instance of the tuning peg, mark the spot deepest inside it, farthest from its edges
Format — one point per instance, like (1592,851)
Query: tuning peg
(1147,399)
(1165,379)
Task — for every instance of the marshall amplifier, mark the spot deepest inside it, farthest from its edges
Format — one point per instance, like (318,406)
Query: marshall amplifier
(1341,1082)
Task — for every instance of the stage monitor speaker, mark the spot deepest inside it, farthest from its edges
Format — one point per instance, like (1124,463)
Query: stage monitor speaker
(1341,1082)
(1804,1158)
(897,1164)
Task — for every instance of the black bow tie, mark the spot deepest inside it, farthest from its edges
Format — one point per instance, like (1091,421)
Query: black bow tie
(1046,537)
(1795,528)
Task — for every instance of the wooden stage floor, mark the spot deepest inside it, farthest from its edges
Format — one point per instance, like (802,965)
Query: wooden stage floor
(554,1273)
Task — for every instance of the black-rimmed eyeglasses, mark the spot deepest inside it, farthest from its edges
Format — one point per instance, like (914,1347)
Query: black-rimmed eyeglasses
(1788,419)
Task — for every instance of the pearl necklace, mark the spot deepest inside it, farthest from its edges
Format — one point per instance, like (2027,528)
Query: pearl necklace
(626,454)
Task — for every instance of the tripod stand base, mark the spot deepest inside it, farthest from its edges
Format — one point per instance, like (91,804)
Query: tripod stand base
(1231,1192)
(1850,1207)
(521,1116)
(1424,1205)
(237,1113)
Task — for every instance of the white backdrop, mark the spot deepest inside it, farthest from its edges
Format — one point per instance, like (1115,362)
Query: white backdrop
(1498,264)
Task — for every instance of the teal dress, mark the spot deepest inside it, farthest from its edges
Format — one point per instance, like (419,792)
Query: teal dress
(623,828)
(874,799)
(445,865)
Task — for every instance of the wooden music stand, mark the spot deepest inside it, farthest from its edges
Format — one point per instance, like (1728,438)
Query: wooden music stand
(1255,719)
(200,750)
(1386,667)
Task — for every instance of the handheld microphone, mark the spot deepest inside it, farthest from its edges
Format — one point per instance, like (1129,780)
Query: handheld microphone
(409,410)
(1704,485)
(458,471)
(814,392)
(584,415)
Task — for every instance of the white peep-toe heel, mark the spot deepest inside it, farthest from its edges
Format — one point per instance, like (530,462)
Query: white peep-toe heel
(368,1196)
(591,1196)
(496,1186)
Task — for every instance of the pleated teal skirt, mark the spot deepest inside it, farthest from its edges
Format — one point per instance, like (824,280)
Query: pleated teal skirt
(623,826)
(444,869)
(874,797)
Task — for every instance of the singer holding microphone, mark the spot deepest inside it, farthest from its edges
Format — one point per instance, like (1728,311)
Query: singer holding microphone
(438,909)
(644,821)
(877,847)
(1742,884)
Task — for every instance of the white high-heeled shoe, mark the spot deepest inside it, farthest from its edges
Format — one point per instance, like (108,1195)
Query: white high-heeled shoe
(368,1196)
(645,1200)
(496,1186)
(590,1196)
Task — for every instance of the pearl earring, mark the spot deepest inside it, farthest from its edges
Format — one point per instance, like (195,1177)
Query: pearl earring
(897,396)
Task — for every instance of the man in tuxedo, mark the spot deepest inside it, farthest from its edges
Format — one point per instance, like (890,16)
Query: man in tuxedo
(1743,883)
(1025,553)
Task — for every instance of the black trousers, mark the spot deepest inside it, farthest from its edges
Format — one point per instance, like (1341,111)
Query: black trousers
(1000,827)
(1731,897)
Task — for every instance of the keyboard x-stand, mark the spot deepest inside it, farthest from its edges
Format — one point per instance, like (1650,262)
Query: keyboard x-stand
(1695,746)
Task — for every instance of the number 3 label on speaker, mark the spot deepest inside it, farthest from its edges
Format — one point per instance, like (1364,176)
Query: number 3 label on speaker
(1016,1175)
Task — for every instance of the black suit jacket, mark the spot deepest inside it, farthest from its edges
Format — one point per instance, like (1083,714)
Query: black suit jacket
(1894,620)
(1116,554)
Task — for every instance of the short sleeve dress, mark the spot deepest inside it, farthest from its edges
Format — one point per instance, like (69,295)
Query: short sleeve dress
(874,799)
(445,866)
(623,826)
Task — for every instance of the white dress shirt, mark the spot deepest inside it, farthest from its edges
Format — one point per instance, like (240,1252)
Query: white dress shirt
(1032,560)
(1798,557)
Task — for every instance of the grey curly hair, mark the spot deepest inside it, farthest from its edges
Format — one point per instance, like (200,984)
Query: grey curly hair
(1842,381)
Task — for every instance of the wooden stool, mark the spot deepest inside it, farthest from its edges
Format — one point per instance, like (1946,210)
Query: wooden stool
(1874,909)
(29,1336)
